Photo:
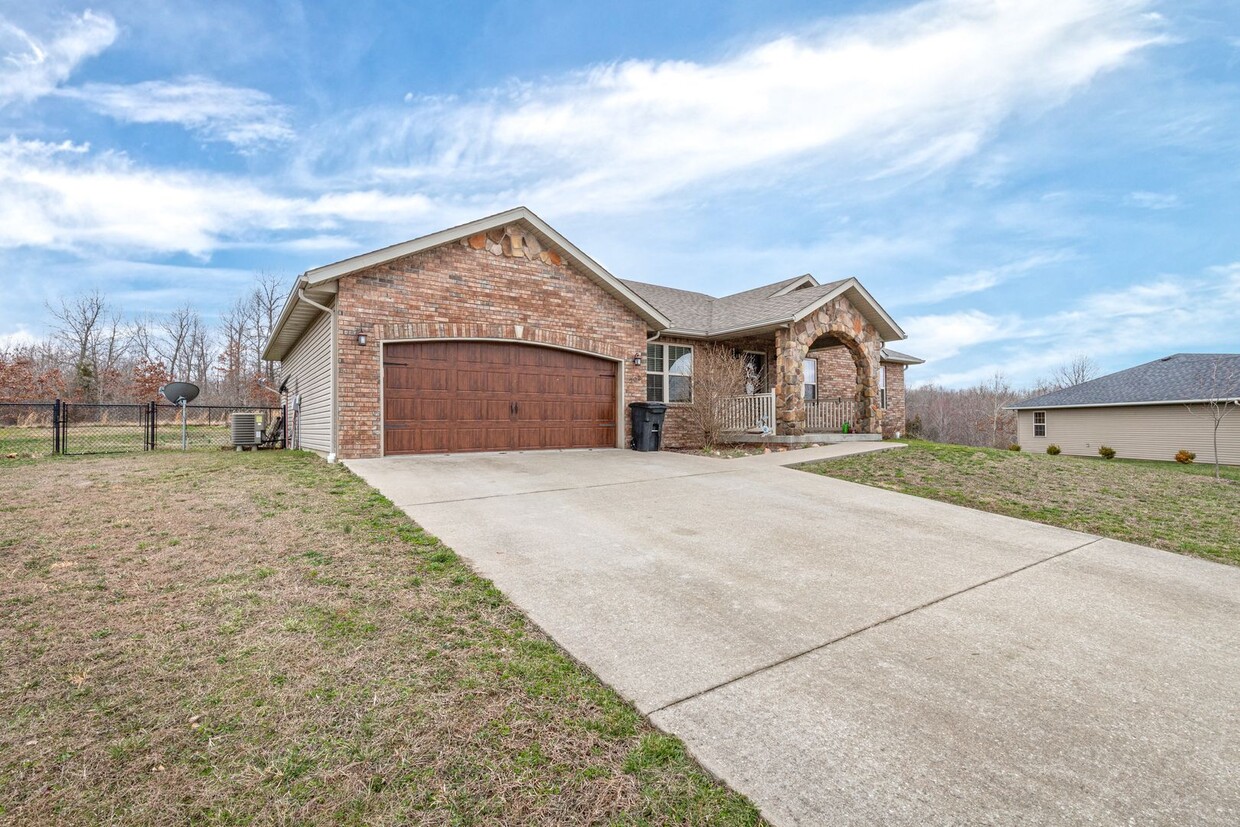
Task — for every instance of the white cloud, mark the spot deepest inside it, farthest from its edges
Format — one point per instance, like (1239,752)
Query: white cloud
(904,92)
(1153,200)
(67,197)
(21,337)
(981,280)
(1165,315)
(31,67)
(942,336)
(246,118)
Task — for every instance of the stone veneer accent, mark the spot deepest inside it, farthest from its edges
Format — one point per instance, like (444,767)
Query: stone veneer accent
(838,319)
(497,285)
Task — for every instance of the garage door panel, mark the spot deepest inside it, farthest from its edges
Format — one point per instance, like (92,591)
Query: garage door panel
(490,396)
(431,440)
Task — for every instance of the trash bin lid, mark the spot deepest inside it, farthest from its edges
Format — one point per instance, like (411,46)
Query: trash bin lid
(653,407)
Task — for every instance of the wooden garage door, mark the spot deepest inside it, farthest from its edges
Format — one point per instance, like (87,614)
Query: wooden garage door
(492,396)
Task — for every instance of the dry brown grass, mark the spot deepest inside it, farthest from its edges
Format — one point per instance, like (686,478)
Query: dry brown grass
(261,638)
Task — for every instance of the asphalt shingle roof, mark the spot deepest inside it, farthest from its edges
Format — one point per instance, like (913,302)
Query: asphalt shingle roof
(699,312)
(889,355)
(1176,378)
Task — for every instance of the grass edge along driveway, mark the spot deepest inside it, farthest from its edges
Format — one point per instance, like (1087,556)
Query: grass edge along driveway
(1179,508)
(219,638)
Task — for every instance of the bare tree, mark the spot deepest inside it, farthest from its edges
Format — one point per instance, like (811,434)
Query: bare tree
(1080,369)
(1220,389)
(93,335)
(265,301)
(996,394)
(96,354)
(719,373)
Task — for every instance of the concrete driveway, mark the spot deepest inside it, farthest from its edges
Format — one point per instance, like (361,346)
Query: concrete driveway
(847,655)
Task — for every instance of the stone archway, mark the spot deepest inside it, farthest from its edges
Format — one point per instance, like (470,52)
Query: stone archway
(839,321)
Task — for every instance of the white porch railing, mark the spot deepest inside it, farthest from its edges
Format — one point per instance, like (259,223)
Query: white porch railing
(745,413)
(829,415)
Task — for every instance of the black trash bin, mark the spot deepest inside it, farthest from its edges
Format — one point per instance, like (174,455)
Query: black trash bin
(647,425)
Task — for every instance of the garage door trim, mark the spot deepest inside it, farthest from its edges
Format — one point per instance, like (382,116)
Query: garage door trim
(621,423)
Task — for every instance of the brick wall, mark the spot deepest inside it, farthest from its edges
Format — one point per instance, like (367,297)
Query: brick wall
(678,432)
(461,291)
(837,373)
(895,414)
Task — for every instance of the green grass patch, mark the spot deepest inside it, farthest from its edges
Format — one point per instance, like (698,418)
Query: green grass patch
(1167,505)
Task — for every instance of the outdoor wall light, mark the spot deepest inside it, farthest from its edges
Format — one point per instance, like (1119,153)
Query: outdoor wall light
(637,359)
(361,339)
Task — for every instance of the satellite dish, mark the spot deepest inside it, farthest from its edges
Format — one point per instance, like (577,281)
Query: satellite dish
(179,392)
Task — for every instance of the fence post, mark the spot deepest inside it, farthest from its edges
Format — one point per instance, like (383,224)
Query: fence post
(284,426)
(56,427)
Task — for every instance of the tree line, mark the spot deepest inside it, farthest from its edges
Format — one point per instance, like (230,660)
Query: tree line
(94,353)
(979,415)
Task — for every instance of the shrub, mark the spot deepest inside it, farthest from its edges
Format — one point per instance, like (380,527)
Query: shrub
(1053,450)
(1185,457)
(1013,447)
(1106,452)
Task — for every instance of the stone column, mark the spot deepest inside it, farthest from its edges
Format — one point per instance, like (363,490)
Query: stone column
(789,378)
(867,358)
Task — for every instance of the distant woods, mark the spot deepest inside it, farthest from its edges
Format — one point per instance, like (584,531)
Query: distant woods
(95,353)
(978,415)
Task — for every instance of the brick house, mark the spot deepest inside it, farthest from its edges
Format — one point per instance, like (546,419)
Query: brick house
(500,334)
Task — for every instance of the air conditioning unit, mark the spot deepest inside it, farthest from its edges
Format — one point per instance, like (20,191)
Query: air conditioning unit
(245,430)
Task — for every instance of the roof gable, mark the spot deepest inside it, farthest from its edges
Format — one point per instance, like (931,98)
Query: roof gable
(291,324)
(1181,377)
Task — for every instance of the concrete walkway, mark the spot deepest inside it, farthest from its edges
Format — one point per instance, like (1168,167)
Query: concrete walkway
(843,654)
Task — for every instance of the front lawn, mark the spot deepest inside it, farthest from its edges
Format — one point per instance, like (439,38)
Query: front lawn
(1162,504)
(220,638)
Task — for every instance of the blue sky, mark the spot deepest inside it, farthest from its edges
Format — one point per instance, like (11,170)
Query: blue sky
(1017,182)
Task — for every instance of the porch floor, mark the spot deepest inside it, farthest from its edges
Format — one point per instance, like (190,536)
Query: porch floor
(803,439)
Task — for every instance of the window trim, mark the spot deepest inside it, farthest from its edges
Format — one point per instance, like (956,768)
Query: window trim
(805,384)
(667,374)
(882,387)
(1037,424)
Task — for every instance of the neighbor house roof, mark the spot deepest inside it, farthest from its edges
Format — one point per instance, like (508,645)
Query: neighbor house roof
(1182,377)
(761,308)
(319,284)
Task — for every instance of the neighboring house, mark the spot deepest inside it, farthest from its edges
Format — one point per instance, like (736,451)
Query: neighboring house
(500,334)
(1147,412)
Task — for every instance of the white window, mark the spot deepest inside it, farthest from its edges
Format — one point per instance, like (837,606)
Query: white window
(882,387)
(669,373)
(1039,423)
(810,389)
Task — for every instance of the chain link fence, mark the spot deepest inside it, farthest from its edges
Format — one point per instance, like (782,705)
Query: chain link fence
(28,429)
(40,428)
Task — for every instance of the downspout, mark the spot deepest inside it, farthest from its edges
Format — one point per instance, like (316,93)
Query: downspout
(301,295)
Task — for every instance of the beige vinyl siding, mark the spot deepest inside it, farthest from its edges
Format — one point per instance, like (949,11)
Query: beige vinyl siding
(308,369)
(1135,432)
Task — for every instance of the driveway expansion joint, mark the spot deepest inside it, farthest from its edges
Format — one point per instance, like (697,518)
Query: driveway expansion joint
(571,488)
(782,661)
